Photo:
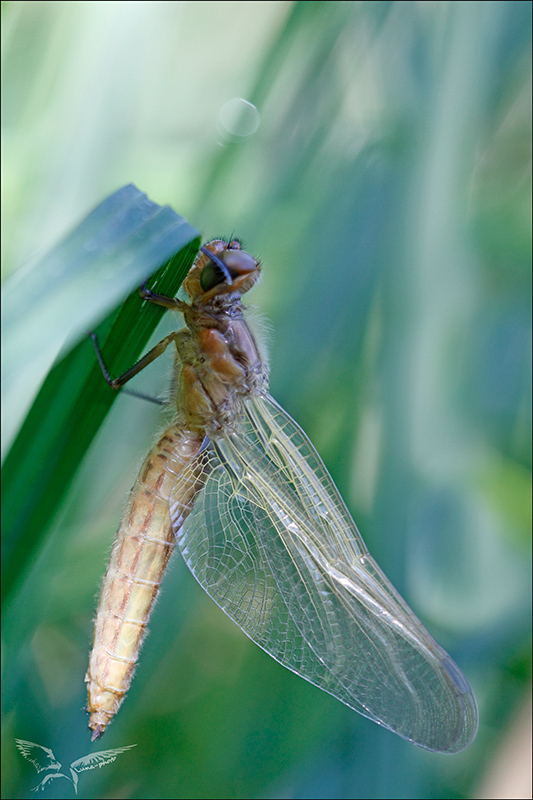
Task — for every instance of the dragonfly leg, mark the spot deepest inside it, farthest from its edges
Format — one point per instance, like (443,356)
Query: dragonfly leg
(161,299)
(155,352)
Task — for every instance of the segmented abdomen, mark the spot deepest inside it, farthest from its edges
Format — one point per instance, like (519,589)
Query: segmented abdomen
(142,547)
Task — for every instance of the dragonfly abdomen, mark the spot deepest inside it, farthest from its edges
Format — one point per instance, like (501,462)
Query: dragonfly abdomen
(143,545)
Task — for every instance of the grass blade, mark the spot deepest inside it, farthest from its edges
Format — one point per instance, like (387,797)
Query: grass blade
(74,399)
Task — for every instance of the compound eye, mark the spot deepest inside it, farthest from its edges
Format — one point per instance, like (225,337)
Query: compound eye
(236,262)
(211,276)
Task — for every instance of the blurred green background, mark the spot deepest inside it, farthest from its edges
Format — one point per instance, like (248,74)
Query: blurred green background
(376,157)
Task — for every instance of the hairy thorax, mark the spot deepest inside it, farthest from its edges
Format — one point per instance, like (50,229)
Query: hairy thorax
(220,364)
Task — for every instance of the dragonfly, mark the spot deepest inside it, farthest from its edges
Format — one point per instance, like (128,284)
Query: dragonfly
(237,485)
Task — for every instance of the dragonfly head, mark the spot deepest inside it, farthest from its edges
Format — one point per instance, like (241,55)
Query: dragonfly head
(221,268)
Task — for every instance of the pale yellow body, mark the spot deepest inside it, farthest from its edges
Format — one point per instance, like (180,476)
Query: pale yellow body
(217,364)
(142,547)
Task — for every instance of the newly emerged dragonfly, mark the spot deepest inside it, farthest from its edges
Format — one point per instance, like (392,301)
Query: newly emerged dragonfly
(238,486)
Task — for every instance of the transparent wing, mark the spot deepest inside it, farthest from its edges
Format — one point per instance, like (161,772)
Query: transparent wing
(271,541)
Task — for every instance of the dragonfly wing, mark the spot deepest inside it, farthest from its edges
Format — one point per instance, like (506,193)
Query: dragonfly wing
(271,541)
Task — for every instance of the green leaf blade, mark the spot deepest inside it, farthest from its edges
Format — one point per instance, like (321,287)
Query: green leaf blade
(74,399)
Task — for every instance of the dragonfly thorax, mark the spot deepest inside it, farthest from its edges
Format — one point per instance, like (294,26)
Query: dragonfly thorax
(221,363)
